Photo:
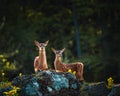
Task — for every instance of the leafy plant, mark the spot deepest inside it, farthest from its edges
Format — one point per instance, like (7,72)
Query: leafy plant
(5,84)
(110,82)
(73,72)
(13,92)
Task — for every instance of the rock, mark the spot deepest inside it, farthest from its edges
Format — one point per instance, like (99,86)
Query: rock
(48,83)
(115,91)
(95,89)
(51,83)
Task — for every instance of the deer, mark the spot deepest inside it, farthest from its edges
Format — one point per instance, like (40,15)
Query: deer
(40,62)
(63,67)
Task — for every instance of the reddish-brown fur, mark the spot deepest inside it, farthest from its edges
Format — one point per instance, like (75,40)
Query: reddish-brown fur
(40,62)
(60,66)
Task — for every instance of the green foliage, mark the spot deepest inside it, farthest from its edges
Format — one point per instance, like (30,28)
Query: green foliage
(92,66)
(7,64)
(26,21)
(5,84)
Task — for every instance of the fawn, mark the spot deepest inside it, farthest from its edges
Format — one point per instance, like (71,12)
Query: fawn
(40,62)
(60,66)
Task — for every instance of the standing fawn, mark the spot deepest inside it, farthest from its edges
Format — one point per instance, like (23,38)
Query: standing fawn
(60,66)
(40,62)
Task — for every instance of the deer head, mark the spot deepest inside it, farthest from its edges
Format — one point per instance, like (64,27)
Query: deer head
(41,46)
(58,52)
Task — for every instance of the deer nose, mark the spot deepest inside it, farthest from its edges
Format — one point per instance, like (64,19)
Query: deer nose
(41,48)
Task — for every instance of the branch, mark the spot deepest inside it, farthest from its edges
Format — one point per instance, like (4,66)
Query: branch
(3,23)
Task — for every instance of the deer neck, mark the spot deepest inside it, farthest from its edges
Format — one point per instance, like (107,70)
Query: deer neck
(58,62)
(42,57)
(58,59)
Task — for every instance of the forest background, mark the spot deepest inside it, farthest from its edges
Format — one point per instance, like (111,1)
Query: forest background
(88,29)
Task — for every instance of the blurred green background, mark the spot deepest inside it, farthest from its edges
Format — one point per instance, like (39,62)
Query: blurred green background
(88,29)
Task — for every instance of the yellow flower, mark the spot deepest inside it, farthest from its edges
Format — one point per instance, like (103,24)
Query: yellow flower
(7,63)
(3,60)
(6,93)
(110,82)
(12,92)
(20,74)
(17,88)
(74,72)
(3,74)
(17,51)
(70,70)
(1,55)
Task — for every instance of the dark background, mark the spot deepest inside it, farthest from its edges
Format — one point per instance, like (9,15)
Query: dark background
(88,29)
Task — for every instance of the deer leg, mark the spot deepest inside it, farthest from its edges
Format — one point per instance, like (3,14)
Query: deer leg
(79,73)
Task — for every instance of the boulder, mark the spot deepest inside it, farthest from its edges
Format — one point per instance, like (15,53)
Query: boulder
(115,91)
(48,83)
(51,83)
(95,89)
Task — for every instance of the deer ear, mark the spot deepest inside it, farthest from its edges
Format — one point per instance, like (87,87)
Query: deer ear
(46,42)
(63,49)
(53,50)
(36,43)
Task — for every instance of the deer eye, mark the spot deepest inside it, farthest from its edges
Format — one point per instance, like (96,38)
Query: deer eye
(57,52)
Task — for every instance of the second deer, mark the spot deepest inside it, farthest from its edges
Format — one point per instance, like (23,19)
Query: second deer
(40,62)
(60,66)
